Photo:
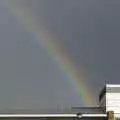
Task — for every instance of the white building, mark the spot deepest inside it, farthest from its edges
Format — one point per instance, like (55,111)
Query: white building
(109,100)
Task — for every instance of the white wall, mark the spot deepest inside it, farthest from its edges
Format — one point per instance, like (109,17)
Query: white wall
(113,102)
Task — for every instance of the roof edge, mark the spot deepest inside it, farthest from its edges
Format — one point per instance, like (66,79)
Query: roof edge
(112,85)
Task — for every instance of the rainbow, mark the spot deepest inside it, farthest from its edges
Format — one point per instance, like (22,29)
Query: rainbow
(46,40)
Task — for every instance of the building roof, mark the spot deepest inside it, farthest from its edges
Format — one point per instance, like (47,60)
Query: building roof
(54,115)
(74,110)
(109,88)
(112,85)
(79,112)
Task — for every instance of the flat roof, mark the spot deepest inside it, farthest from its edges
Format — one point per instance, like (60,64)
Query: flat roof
(93,115)
(53,115)
(112,85)
(73,110)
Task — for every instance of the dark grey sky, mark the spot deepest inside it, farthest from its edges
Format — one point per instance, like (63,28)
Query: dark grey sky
(87,29)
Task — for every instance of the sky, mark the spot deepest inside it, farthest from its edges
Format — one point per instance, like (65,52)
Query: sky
(88,30)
